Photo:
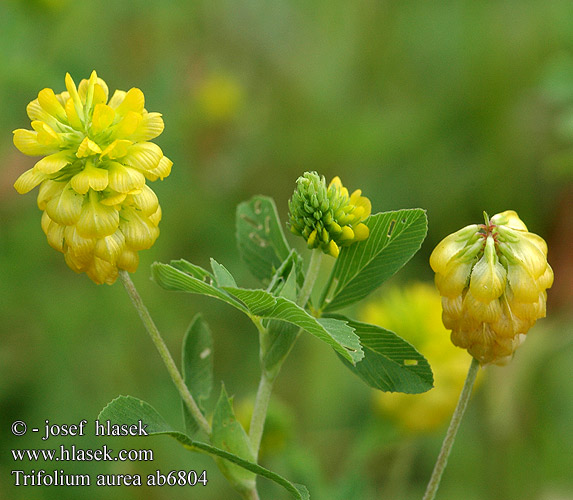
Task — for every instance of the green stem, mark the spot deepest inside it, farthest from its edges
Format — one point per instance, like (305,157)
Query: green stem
(310,278)
(164,352)
(442,460)
(250,494)
(267,378)
(260,410)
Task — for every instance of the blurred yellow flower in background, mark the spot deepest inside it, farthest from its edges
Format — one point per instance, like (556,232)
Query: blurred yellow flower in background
(219,97)
(414,313)
(98,210)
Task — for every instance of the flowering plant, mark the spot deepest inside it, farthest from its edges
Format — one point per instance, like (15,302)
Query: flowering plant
(99,212)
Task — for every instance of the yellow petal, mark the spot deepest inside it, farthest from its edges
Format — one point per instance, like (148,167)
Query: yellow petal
(454,280)
(45,222)
(53,163)
(110,247)
(55,235)
(100,271)
(111,198)
(139,233)
(124,179)
(36,113)
(162,170)
(74,96)
(133,100)
(450,246)
(489,311)
(29,180)
(97,220)
(155,218)
(488,276)
(46,134)
(90,177)
(87,148)
(361,232)
(128,260)
(333,249)
(72,115)
(510,219)
(81,247)
(102,118)
(100,89)
(528,254)
(546,279)
(522,284)
(150,126)
(66,208)
(336,183)
(117,149)
(48,190)
(146,201)
(128,125)
(100,94)
(51,105)
(143,156)
(27,142)
(311,240)
(77,263)
(363,203)
(347,234)
(536,240)
(117,98)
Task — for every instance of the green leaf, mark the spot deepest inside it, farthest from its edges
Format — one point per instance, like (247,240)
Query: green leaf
(362,267)
(264,305)
(222,276)
(260,238)
(197,363)
(292,266)
(390,363)
(192,269)
(229,435)
(172,278)
(129,410)
(280,336)
(334,332)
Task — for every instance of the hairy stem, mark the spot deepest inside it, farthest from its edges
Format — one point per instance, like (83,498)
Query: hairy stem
(442,460)
(164,352)
(310,278)
(267,378)
(260,411)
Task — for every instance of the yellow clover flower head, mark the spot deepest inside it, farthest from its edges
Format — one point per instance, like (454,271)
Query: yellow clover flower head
(98,210)
(327,217)
(493,279)
(413,312)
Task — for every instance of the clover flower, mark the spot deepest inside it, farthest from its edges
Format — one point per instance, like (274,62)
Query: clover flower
(493,279)
(327,217)
(98,210)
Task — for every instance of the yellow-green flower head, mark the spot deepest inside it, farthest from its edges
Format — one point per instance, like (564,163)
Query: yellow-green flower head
(327,217)
(98,210)
(493,279)
(413,312)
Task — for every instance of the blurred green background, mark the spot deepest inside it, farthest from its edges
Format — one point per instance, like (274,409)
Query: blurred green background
(454,106)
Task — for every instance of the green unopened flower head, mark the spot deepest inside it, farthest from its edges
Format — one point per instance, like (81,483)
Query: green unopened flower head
(327,217)
(98,210)
(493,279)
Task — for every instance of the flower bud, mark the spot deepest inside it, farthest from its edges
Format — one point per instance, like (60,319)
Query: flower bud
(98,211)
(327,217)
(493,279)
